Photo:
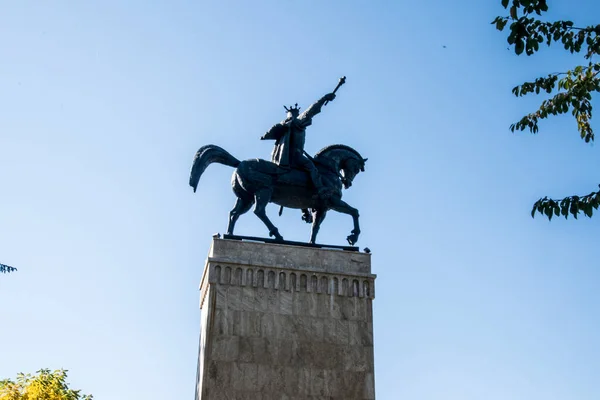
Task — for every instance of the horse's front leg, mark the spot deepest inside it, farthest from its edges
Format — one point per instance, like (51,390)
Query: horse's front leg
(316,223)
(343,207)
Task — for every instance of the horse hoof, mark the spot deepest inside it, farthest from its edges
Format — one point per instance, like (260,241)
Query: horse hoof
(352,239)
(278,237)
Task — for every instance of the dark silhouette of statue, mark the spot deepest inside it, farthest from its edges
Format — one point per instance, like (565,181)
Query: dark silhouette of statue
(291,179)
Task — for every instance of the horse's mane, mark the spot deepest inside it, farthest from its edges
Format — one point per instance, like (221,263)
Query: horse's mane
(338,147)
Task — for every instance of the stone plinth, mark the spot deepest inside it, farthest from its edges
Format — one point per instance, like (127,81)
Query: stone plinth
(285,322)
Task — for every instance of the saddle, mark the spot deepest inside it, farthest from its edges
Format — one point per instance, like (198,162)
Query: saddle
(285,175)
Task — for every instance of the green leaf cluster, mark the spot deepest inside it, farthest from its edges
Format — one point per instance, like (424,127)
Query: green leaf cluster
(45,385)
(571,90)
(527,33)
(4,269)
(574,93)
(572,205)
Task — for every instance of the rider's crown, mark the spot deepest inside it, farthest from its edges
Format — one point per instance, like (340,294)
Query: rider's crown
(293,109)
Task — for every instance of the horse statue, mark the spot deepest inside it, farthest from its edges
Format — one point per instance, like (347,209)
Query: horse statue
(259,182)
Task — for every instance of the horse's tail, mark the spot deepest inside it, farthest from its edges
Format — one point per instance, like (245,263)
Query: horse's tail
(207,155)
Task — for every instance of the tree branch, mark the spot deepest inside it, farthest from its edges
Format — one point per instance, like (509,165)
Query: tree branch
(6,269)
(572,205)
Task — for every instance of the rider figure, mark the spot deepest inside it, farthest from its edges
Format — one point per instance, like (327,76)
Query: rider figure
(290,136)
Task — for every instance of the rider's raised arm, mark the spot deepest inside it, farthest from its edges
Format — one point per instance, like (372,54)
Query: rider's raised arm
(315,108)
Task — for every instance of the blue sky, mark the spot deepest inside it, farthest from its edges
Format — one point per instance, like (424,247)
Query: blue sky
(103,105)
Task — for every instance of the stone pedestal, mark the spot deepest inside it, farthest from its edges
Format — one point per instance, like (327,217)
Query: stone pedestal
(285,322)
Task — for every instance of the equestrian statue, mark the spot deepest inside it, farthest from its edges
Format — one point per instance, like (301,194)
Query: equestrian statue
(292,178)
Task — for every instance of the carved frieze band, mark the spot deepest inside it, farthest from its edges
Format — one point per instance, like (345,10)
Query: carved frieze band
(295,281)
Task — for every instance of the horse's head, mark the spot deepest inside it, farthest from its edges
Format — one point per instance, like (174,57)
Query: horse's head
(345,160)
(350,168)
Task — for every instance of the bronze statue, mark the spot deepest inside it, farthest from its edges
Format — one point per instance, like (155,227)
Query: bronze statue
(292,178)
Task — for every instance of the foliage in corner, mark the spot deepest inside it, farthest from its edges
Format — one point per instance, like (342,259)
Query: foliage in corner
(46,385)
(5,269)
(572,90)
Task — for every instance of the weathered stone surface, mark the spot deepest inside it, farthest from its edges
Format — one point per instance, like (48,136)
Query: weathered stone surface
(284,322)
(289,257)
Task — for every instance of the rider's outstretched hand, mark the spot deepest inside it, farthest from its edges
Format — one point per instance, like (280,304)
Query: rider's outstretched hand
(329,97)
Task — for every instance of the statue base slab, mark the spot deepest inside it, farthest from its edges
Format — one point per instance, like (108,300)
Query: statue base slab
(290,242)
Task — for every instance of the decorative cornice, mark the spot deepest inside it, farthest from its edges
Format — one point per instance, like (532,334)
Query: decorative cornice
(217,272)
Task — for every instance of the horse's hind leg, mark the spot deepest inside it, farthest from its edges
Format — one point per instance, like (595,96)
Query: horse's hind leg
(262,198)
(241,207)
